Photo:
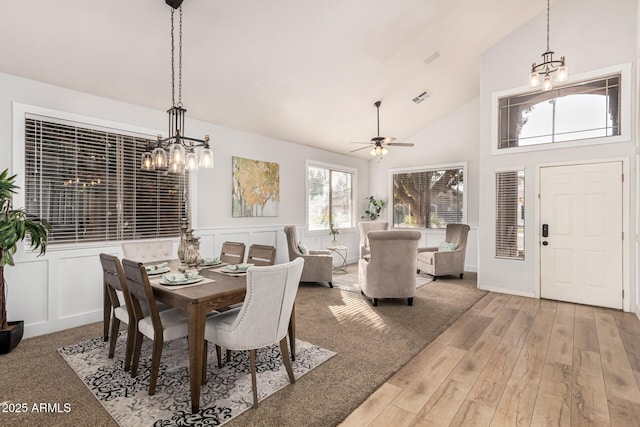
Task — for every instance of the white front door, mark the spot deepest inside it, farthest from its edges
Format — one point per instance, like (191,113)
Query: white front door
(581,255)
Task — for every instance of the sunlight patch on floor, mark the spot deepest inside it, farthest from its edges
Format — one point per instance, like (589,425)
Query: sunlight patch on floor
(357,308)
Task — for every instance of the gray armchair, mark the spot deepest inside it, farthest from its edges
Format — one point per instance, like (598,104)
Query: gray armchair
(438,263)
(365,227)
(391,272)
(318,264)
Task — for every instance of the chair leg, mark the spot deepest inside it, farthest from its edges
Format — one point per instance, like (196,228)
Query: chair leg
(461,275)
(204,361)
(228,356)
(253,377)
(292,332)
(115,326)
(330,284)
(410,301)
(374,301)
(219,355)
(137,349)
(155,364)
(287,362)
(131,335)
(435,278)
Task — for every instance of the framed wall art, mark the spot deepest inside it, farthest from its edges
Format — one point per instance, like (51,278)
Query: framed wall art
(256,188)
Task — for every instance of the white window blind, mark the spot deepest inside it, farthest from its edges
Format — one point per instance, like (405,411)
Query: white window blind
(428,198)
(88,184)
(510,214)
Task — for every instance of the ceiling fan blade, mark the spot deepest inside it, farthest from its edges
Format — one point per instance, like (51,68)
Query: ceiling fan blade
(358,142)
(400,144)
(358,149)
(388,139)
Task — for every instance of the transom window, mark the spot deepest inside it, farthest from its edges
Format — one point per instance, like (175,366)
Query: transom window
(88,184)
(429,197)
(329,197)
(585,110)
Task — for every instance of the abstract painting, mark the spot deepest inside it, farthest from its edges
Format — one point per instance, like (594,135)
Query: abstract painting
(256,188)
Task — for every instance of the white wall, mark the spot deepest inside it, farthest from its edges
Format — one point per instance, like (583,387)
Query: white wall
(592,35)
(452,139)
(64,288)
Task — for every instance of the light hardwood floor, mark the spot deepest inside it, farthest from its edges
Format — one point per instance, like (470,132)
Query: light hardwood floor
(512,361)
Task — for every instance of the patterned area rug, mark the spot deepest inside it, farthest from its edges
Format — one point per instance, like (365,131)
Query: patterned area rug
(349,281)
(226,394)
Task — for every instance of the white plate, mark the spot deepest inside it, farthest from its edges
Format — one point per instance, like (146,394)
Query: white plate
(158,271)
(181,282)
(209,264)
(226,270)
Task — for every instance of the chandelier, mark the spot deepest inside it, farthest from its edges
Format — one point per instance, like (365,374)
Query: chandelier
(177,153)
(548,66)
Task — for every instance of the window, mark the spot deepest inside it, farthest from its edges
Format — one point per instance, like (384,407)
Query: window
(429,197)
(590,109)
(330,197)
(88,184)
(510,214)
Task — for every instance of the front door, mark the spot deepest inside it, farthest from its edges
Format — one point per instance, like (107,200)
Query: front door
(581,233)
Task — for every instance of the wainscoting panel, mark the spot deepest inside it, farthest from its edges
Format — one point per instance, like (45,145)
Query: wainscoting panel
(28,282)
(80,286)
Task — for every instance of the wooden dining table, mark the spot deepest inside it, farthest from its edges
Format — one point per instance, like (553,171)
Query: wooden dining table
(195,302)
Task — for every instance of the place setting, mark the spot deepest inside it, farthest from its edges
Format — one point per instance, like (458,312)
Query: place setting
(234,269)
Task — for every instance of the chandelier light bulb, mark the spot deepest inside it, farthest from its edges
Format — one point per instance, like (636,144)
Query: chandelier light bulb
(546,84)
(147,161)
(534,79)
(176,153)
(563,74)
(191,162)
(206,158)
(160,160)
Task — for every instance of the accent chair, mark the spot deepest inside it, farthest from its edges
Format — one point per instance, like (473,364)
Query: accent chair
(318,264)
(444,260)
(365,227)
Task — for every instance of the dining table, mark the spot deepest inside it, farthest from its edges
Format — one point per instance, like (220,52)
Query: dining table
(218,291)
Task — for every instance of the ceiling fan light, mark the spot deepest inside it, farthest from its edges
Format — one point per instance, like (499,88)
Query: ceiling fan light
(384,151)
(373,151)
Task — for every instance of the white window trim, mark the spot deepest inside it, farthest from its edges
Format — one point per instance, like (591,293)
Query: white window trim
(354,192)
(625,113)
(18,158)
(461,165)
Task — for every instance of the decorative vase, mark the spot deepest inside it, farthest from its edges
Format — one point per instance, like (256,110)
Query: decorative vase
(184,229)
(10,338)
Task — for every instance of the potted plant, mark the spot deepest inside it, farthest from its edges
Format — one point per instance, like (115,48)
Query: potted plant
(14,227)
(373,209)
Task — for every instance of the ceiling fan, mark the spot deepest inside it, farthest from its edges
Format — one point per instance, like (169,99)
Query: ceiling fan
(379,143)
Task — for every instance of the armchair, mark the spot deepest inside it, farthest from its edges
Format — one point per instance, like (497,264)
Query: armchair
(365,227)
(436,262)
(318,264)
(391,271)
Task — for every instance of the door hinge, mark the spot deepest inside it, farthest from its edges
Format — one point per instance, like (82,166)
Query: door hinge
(623,235)
(622,177)
(623,294)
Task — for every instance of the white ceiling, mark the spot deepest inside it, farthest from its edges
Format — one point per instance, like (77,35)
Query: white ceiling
(302,71)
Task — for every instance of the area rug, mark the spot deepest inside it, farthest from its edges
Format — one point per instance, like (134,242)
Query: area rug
(349,281)
(226,394)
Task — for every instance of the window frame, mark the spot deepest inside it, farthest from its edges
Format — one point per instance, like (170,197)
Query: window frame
(21,111)
(426,168)
(625,113)
(517,170)
(354,195)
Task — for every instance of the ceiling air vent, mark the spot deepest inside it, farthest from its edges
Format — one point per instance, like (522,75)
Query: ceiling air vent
(424,95)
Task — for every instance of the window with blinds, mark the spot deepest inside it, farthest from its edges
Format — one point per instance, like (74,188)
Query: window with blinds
(87,182)
(329,197)
(429,198)
(510,214)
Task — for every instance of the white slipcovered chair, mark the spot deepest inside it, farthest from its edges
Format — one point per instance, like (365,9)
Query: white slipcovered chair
(264,317)
(365,227)
(148,250)
(391,271)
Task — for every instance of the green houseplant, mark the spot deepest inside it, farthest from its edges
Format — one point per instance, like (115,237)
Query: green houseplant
(14,227)
(373,209)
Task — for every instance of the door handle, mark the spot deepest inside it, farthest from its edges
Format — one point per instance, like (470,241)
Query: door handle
(545,230)
(545,243)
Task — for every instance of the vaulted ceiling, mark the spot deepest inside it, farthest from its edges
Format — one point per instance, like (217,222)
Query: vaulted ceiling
(302,71)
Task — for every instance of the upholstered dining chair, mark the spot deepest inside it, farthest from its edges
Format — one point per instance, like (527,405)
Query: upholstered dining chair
(318,264)
(121,310)
(263,318)
(148,250)
(261,255)
(159,326)
(232,252)
(391,270)
(364,227)
(448,258)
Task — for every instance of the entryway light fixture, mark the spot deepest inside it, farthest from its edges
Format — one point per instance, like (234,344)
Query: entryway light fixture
(181,149)
(548,66)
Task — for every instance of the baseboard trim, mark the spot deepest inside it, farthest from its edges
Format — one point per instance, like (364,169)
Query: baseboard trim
(507,291)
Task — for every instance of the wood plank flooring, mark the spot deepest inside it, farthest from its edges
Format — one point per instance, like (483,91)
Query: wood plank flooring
(512,361)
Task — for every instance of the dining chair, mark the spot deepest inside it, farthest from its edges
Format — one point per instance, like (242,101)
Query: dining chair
(148,250)
(121,309)
(159,326)
(262,320)
(261,255)
(232,252)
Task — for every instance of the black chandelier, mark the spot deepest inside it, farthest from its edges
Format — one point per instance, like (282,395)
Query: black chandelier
(181,149)
(548,66)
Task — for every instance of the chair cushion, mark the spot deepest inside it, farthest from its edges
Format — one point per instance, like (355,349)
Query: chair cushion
(174,323)
(121,313)
(304,249)
(447,247)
